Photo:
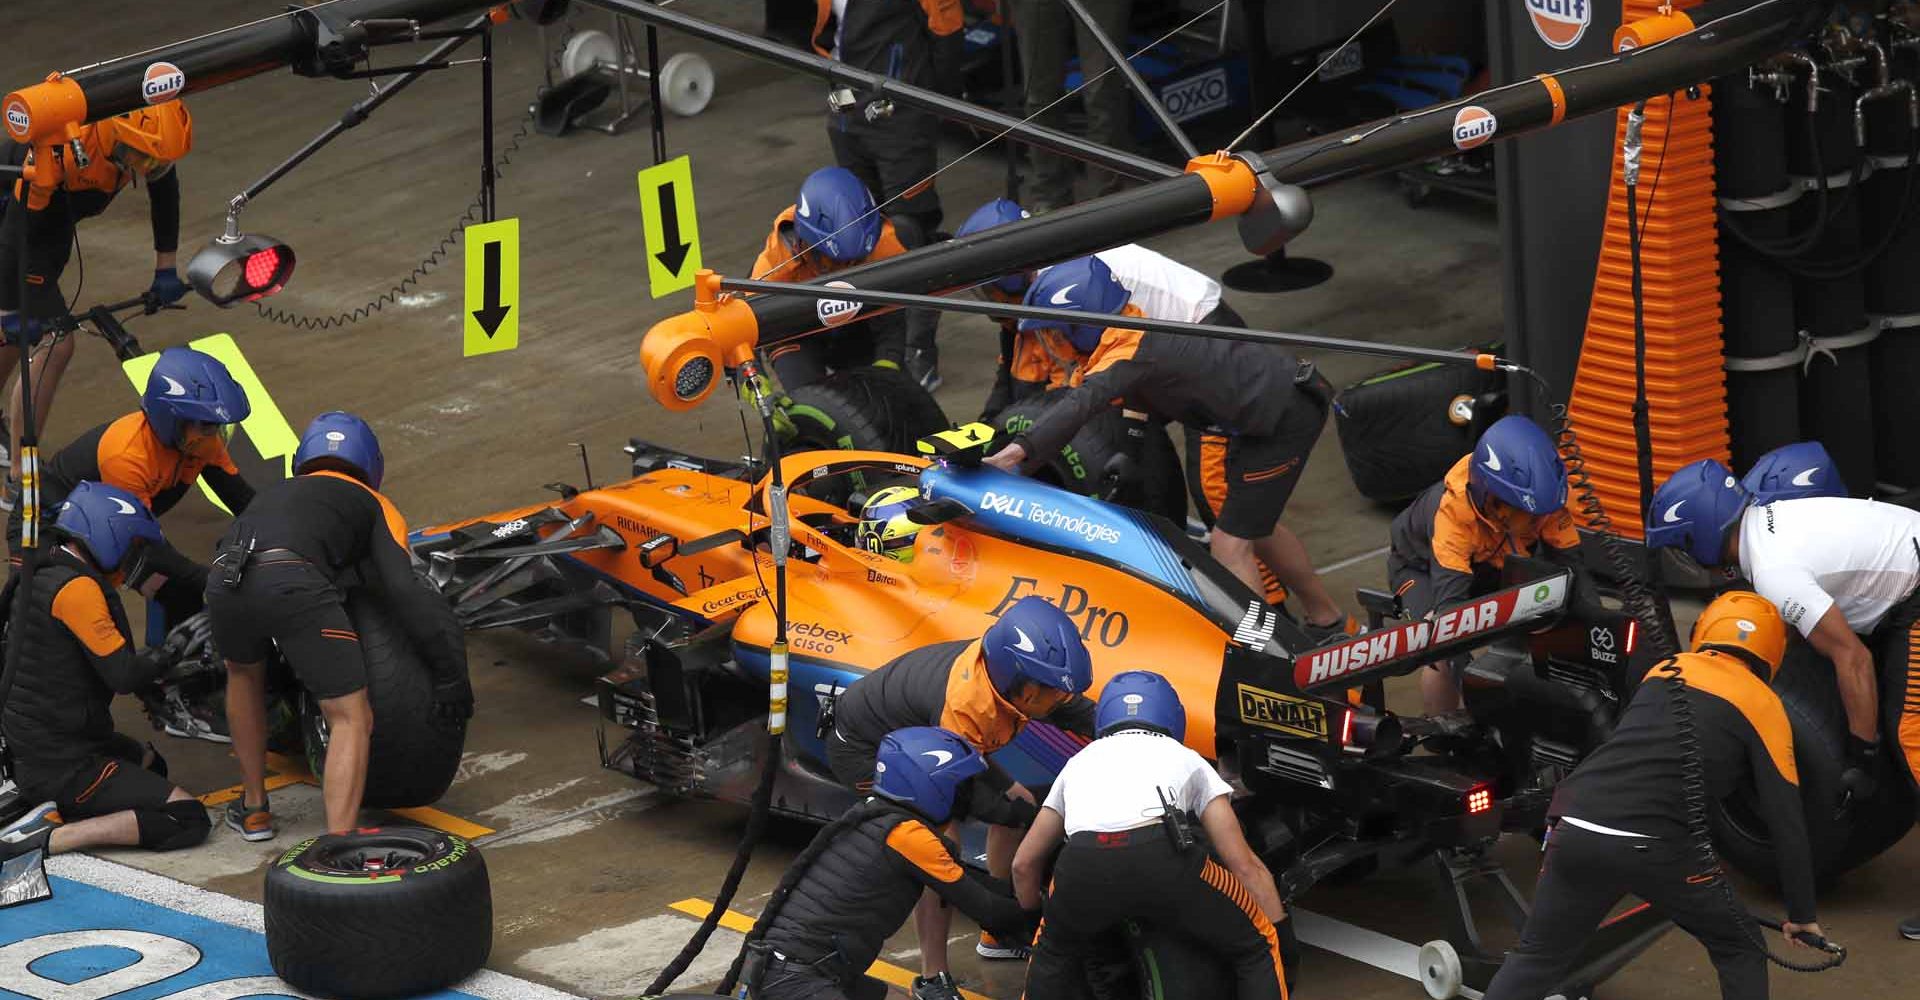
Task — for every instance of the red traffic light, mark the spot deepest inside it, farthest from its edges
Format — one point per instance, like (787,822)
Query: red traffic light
(245,268)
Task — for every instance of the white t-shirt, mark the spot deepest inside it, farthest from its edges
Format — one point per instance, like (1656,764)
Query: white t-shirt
(1814,553)
(1110,784)
(1160,286)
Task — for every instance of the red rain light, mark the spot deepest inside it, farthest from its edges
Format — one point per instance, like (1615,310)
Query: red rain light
(1479,800)
(261,266)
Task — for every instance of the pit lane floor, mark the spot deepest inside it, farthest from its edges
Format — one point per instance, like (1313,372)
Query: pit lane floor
(586,863)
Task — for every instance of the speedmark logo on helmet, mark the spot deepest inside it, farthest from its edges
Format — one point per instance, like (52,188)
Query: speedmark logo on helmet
(163,83)
(1473,125)
(1560,23)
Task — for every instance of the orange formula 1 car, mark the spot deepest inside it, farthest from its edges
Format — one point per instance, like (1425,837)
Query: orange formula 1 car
(684,548)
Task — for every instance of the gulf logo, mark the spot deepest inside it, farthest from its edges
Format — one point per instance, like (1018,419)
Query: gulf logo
(163,82)
(1560,23)
(1473,125)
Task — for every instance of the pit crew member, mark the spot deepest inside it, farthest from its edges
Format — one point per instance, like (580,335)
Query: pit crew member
(1048,35)
(1793,471)
(1838,569)
(1507,497)
(1120,804)
(833,225)
(1619,821)
(855,884)
(118,152)
(1031,664)
(892,147)
(1268,406)
(278,579)
(71,653)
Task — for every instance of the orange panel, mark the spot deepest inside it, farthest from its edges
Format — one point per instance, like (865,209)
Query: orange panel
(1681,306)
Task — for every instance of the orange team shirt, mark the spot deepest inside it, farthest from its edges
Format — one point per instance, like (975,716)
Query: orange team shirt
(774,264)
(1463,538)
(131,456)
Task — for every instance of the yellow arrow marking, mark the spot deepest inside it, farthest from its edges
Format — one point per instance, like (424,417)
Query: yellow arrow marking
(671,225)
(493,288)
(886,972)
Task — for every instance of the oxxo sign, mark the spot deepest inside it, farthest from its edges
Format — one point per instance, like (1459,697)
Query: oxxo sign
(1195,96)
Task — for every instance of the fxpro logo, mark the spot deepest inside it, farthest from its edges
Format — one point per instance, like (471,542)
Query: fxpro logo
(1195,96)
(1560,23)
(163,83)
(833,312)
(1473,125)
(18,121)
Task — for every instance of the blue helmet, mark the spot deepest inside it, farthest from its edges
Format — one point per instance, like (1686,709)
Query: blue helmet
(835,215)
(1140,698)
(998,212)
(1792,471)
(1515,461)
(108,520)
(1035,641)
(923,768)
(1694,509)
(340,435)
(1085,285)
(188,385)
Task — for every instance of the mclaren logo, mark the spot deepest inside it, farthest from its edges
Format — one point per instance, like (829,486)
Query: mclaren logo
(1282,713)
(1805,477)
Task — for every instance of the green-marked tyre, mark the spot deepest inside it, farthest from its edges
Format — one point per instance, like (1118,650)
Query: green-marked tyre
(1399,431)
(378,913)
(1158,487)
(836,413)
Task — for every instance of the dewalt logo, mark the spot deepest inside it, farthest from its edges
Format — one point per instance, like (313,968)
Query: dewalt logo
(1283,713)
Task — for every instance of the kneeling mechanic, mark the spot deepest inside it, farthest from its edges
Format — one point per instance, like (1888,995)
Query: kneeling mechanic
(855,884)
(279,580)
(1031,664)
(1619,822)
(71,652)
(1121,805)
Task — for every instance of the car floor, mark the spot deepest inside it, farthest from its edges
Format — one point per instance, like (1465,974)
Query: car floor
(585,862)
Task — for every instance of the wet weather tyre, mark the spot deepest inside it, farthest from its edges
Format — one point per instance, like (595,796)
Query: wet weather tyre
(837,412)
(908,411)
(1395,432)
(1159,487)
(414,754)
(1840,840)
(378,913)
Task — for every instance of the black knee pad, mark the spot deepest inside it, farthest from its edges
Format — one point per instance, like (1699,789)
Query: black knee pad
(159,764)
(173,826)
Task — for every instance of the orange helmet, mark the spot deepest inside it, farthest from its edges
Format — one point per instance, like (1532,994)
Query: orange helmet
(1742,619)
(162,133)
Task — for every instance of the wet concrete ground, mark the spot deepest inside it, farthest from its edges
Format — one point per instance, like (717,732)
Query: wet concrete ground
(586,862)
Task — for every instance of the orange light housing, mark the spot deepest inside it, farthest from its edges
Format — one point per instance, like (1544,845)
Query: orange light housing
(684,355)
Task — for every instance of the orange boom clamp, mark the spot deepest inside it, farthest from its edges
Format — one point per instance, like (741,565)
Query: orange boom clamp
(1229,179)
(44,110)
(684,355)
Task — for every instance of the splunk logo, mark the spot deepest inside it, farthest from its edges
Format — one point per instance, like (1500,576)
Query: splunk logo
(1560,23)
(1473,125)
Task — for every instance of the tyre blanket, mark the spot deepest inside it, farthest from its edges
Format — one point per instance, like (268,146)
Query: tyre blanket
(151,938)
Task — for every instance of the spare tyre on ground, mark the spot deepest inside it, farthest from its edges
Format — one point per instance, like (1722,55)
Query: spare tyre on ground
(378,913)
(1841,838)
(414,754)
(1398,430)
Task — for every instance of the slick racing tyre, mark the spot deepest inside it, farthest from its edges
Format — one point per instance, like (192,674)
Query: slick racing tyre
(1158,486)
(1396,429)
(909,411)
(838,412)
(1841,839)
(413,754)
(378,913)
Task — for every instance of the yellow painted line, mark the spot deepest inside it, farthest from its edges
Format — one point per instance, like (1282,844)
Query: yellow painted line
(884,971)
(275,782)
(429,816)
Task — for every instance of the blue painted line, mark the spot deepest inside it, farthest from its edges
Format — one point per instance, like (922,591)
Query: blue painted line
(85,933)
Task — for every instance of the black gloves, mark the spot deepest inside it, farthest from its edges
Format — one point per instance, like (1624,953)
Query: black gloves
(1862,775)
(453,701)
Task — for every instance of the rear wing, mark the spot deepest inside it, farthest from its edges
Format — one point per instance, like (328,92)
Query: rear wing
(1404,647)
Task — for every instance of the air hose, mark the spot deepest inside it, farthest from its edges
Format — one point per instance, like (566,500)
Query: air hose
(762,806)
(1639,595)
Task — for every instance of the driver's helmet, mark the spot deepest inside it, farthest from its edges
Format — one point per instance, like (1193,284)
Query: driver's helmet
(884,527)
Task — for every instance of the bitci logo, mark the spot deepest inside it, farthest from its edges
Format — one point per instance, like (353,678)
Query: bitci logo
(1473,125)
(163,83)
(1560,23)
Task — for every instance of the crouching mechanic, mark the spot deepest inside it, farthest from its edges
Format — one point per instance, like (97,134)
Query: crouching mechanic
(279,579)
(1838,569)
(71,651)
(855,884)
(1268,406)
(1619,821)
(1507,497)
(833,226)
(1029,665)
(1121,806)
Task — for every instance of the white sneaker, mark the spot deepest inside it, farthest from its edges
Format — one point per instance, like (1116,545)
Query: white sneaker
(39,819)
